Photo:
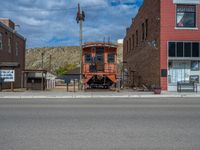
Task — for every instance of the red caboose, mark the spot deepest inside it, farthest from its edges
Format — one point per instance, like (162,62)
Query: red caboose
(99,64)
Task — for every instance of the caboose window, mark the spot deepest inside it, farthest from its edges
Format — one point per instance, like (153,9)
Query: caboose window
(88,58)
(111,58)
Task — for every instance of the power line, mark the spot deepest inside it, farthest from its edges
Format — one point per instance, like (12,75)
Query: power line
(53,9)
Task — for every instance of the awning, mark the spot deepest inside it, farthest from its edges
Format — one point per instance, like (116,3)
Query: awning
(9,64)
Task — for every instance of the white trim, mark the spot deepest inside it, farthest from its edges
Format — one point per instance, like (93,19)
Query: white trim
(186,28)
(178,28)
(186,1)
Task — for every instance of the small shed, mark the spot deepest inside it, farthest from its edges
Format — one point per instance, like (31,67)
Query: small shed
(35,79)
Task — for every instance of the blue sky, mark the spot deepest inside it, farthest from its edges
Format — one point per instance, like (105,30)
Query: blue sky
(46,23)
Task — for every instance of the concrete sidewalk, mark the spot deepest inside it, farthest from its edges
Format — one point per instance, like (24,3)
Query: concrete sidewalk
(121,94)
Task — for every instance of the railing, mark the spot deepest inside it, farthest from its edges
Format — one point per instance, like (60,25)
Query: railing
(95,68)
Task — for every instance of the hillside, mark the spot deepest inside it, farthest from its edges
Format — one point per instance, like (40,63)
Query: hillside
(60,56)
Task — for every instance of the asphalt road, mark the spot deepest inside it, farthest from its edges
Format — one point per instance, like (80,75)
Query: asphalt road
(100,124)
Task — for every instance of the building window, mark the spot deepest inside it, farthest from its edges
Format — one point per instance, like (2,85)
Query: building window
(143,34)
(1,41)
(129,44)
(133,40)
(17,49)
(187,49)
(137,38)
(184,49)
(88,58)
(172,49)
(146,28)
(111,58)
(9,45)
(186,16)
(180,49)
(195,49)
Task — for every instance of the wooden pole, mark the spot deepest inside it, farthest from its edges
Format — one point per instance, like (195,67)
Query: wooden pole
(12,86)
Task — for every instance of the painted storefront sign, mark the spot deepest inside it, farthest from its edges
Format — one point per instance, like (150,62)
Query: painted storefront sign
(7,75)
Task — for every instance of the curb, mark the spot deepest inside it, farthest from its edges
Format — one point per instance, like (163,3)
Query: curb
(99,96)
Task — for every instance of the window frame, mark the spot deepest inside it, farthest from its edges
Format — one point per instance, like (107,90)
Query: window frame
(143,31)
(184,57)
(137,38)
(133,41)
(88,62)
(17,48)
(196,17)
(111,62)
(9,45)
(146,28)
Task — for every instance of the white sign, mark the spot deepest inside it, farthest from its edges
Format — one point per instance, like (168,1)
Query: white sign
(7,75)
(186,1)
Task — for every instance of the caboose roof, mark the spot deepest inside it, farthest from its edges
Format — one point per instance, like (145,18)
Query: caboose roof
(99,44)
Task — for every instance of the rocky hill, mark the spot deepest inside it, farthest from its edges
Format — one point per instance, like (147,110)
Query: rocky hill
(53,58)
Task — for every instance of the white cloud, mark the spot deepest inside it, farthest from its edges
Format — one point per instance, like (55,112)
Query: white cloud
(41,22)
(32,21)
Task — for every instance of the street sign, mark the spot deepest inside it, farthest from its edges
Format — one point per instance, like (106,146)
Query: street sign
(7,75)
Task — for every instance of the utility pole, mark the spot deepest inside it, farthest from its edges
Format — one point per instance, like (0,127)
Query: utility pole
(42,60)
(80,18)
(50,63)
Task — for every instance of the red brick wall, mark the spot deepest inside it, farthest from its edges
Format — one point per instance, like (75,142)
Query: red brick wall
(143,61)
(5,56)
(8,23)
(169,33)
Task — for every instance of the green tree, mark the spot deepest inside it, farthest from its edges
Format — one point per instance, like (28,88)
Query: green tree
(62,70)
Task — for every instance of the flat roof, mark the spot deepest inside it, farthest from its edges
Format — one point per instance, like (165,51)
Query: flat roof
(99,44)
(9,64)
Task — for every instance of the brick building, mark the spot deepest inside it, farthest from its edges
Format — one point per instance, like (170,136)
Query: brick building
(12,51)
(162,45)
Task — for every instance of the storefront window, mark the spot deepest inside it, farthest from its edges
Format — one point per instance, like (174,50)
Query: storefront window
(180,49)
(186,16)
(194,65)
(195,49)
(179,71)
(184,49)
(187,49)
(172,49)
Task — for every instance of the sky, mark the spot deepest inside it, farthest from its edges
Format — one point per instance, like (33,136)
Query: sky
(51,23)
